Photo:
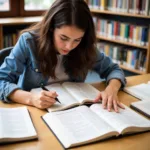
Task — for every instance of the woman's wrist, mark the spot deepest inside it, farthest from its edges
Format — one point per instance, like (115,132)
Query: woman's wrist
(114,84)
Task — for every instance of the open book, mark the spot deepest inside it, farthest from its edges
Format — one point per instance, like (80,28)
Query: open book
(82,125)
(141,91)
(142,106)
(71,94)
(16,125)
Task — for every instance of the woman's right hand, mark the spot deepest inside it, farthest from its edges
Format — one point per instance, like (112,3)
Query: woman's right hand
(44,99)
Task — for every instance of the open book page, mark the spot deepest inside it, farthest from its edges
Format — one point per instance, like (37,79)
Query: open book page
(142,106)
(140,91)
(83,92)
(125,121)
(64,97)
(78,126)
(16,124)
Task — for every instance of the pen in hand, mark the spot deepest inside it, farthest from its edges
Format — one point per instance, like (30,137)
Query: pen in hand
(44,88)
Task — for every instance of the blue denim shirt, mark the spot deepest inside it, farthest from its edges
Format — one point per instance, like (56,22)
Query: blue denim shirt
(20,69)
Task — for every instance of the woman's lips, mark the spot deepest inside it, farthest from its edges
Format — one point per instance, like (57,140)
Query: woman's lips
(65,51)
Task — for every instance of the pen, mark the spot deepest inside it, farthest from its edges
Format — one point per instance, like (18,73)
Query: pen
(44,88)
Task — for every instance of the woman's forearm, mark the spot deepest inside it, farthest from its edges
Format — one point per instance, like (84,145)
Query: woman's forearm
(21,96)
(44,99)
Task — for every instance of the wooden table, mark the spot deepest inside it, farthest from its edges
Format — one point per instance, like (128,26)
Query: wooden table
(47,141)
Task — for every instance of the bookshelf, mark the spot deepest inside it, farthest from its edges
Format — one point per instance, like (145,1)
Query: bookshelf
(139,15)
(11,27)
(120,14)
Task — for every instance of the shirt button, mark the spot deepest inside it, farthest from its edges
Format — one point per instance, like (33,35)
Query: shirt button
(36,70)
(42,84)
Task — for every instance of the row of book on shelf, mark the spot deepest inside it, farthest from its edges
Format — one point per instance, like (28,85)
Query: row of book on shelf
(125,32)
(128,57)
(141,7)
(10,39)
(115,30)
(74,126)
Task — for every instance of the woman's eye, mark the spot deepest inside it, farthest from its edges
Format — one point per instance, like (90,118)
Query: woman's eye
(77,41)
(64,39)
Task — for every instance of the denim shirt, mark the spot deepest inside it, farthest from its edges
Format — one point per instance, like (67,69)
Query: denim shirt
(20,69)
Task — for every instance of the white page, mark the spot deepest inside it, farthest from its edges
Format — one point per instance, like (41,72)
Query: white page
(16,122)
(58,128)
(64,97)
(125,118)
(80,123)
(81,91)
(143,106)
(141,91)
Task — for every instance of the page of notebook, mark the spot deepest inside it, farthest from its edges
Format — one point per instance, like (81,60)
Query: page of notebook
(81,91)
(64,97)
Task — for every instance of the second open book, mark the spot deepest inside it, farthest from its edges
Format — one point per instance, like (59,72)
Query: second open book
(82,125)
(71,94)
(141,91)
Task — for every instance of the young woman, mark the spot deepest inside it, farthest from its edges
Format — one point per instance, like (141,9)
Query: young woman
(59,48)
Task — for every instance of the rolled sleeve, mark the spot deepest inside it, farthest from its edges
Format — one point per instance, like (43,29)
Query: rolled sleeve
(7,91)
(11,69)
(108,70)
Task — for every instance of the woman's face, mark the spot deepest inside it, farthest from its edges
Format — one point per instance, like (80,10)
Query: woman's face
(67,38)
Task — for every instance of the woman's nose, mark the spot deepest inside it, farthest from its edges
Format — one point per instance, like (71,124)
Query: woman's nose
(69,46)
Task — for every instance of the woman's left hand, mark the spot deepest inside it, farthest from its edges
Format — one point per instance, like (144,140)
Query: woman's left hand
(109,96)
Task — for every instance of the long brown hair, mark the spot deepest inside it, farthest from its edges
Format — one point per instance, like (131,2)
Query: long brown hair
(65,12)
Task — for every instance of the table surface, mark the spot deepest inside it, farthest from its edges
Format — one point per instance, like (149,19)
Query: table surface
(46,139)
